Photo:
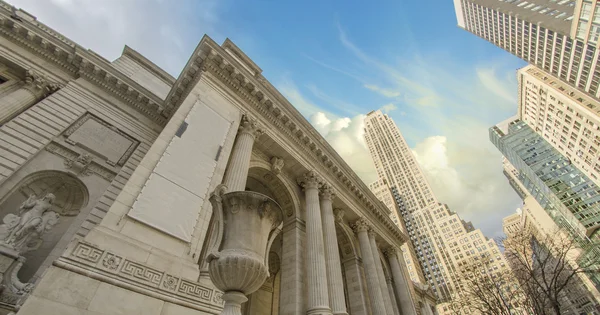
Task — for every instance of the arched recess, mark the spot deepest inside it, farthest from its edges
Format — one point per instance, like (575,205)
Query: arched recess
(284,191)
(262,180)
(71,196)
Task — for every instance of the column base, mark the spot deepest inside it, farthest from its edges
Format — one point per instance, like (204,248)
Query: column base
(319,311)
(340,313)
(233,302)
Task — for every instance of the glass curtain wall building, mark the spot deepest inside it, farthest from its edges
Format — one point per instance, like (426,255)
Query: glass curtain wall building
(570,197)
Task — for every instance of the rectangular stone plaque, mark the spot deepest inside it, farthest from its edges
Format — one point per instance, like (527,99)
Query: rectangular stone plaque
(95,135)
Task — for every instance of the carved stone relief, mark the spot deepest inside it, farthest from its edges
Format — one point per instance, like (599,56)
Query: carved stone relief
(80,164)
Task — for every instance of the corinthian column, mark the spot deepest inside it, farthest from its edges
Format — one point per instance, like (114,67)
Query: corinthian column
(332,254)
(33,90)
(237,171)
(400,282)
(390,288)
(375,295)
(380,275)
(318,297)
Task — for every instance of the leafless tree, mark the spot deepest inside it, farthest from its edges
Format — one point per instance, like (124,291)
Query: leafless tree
(485,290)
(548,267)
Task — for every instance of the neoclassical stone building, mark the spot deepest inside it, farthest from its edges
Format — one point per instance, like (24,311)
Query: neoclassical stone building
(127,157)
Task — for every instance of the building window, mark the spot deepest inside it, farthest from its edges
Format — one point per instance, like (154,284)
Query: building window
(582,29)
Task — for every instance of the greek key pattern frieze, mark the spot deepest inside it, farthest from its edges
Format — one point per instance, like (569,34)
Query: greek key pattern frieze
(145,276)
(141,272)
(87,253)
(194,289)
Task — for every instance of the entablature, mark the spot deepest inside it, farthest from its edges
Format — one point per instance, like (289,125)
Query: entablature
(24,30)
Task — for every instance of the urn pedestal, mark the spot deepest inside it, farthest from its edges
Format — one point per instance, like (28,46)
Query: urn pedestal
(247,223)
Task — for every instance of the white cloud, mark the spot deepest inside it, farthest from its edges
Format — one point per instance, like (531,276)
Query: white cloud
(388,107)
(489,79)
(106,26)
(345,135)
(383,91)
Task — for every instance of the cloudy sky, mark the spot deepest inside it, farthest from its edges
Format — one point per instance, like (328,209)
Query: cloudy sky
(336,61)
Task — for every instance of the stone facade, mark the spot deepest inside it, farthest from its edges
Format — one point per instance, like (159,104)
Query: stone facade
(133,156)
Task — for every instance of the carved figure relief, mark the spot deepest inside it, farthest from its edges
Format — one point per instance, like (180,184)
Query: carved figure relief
(23,232)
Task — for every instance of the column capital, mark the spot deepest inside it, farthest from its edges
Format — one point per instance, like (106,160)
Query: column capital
(372,233)
(391,252)
(361,225)
(327,192)
(310,180)
(36,83)
(338,214)
(250,126)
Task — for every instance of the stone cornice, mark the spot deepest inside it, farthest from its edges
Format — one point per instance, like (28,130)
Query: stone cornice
(260,94)
(77,61)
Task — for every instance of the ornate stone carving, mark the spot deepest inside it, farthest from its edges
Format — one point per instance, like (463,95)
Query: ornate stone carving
(36,83)
(327,192)
(361,225)
(79,165)
(23,232)
(338,214)
(276,165)
(310,180)
(70,156)
(391,252)
(250,126)
(170,282)
(111,262)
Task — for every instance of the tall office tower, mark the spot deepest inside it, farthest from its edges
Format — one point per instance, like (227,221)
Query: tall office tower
(442,241)
(559,36)
(565,193)
(396,164)
(565,117)
(383,192)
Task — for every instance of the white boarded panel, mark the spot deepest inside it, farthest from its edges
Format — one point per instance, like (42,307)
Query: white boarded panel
(173,195)
(167,207)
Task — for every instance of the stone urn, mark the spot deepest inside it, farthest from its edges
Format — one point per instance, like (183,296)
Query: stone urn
(247,222)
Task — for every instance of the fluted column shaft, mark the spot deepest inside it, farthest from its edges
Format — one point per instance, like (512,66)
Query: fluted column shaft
(375,295)
(34,89)
(380,274)
(239,162)
(318,295)
(400,282)
(388,282)
(333,265)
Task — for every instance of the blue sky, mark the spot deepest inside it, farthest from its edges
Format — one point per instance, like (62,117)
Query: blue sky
(336,61)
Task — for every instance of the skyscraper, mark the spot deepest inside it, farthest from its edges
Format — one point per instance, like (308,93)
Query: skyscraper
(559,36)
(565,193)
(442,241)
(396,164)
(565,117)
(570,197)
